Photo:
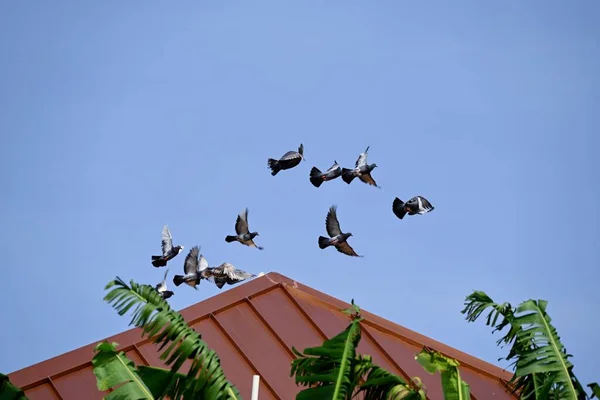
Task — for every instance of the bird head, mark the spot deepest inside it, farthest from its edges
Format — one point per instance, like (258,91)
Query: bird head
(179,248)
(373,166)
(254,234)
(349,234)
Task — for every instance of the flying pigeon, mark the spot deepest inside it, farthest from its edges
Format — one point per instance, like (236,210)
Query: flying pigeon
(161,288)
(244,236)
(168,250)
(287,161)
(226,274)
(317,177)
(338,238)
(362,170)
(194,267)
(417,205)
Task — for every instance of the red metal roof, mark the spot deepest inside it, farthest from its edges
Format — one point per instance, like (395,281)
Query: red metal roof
(252,327)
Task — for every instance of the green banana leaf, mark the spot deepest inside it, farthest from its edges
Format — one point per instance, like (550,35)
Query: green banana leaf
(8,391)
(114,370)
(595,390)
(542,366)
(329,366)
(383,385)
(167,328)
(453,386)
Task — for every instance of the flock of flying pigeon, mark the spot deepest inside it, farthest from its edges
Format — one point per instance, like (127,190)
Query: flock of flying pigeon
(196,267)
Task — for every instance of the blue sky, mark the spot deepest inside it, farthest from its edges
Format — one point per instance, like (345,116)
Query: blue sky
(118,117)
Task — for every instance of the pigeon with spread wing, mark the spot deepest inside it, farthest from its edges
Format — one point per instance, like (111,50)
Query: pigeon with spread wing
(287,161)
(168,250)
(244,236)
(194,267)
(416,205)
(317,177)
(361,170)
(337,238)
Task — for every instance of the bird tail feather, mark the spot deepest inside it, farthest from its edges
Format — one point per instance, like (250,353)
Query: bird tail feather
(157,261)
(348,175)
(274,165)
(178,280)
(323,242)
(230,238)
(398,208)
(315,177)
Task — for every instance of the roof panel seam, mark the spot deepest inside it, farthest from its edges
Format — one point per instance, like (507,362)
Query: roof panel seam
(243,354)
(389,357)
(303,311)
(54,388)
(270,328)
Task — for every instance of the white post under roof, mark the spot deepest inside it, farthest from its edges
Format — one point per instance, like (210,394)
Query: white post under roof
(255,383)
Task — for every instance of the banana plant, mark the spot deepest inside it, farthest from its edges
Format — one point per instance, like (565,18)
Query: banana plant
(453,386)
(166,328)
(542,366)
(8,391)
(334,371)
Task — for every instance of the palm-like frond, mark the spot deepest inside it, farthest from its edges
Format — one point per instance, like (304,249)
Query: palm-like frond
(166,327)
(383,385)
(453,386)
(329,366)
(8,391)
(114,370)
(595,390)
(542,367)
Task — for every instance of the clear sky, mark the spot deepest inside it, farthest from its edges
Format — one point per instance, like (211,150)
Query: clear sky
(118,117)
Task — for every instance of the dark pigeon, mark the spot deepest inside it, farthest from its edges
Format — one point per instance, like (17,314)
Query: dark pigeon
(417,205)
(168,250)
(362,170)
(161,288)
(337,237)
(227,274)
(287,161)
(244,236)
(317,177)
(194,268)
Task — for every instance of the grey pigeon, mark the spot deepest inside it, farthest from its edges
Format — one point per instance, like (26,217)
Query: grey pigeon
(161,288)
(244,236)
(337,237)
(168,250)
(226,273)
(287,161)
(362,170)
(317,177)
(194,267)
(417,205)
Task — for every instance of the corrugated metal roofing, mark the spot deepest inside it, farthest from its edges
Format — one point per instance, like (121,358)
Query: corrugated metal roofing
(252,327)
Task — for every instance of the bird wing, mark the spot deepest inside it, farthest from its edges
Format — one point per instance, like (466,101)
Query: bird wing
(203,264)
(425,203)
(331,222)
(333,167)
(166,240)
(234,273)
(241,223)
(414,201)
(162,286)
(368,179)
(345,248)
(190,265)
(362,158)
(290,155)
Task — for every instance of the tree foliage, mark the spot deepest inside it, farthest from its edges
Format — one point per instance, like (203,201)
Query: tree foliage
(542,366)
(8,391)
(167,329)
